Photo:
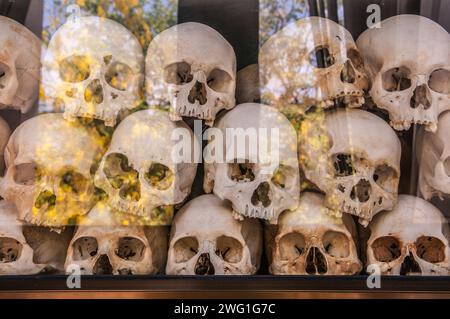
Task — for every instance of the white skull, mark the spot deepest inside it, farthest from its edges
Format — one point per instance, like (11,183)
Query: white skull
(247,86)
(140,173)
(27,250)
(5,132)
(105,242)
(20,61)
(313,240)
(408,60)
(354,157)
(324,54)
(207,240)
(192,67)
(261,179)
(95,67)
(48,170)
(412,239)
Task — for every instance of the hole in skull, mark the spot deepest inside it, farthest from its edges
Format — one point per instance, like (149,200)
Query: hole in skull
(229,249)
(316,262)
(262,195)
(73,182)
(3,75)
(241,172)
(447,166)
(283,177)
(10,249)
(94,92)
(410,266)
(26,174)
(197,93)
(130,248)
(119,76)
(440,81)
(102,266)
(421,97)
(342,164)
(107,59)
(159,176)
(386,249)
(45,198)
(385,176)
(361,191)
(291,246)
(348,74)
(336,244)
(178,73)
(430,249)
(84,248)
(122,176)
(184,249)
(396,79)
(219,81)
(74,69)
(356,59)
(321,58)
(204,265)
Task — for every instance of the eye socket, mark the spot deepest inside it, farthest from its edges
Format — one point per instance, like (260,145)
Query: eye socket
(386,249)
(283,177)
(84,248)
(343,165)
(440,81)
(26,174)
(159,176)
(447,166)
(74,69)
(219,80)
(241,172)
(4,70)
(130,248)
(185,248)
(229,249)
(397,79)
(336,244)
(10,250)
(73,182)
(430,249)
(178,73)
(119,76)
(321,58)
(122,176)
(383,176)
(291,246)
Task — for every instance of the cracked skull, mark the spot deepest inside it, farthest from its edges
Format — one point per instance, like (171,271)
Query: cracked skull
(139,172)
(192,67)
(412,239)
(409,69)
(312,240)
(27,250)
(48,170)
(107,243)
(207,240)
(324,53)
(20,54)
(259,170)
(354,157)
(95,68)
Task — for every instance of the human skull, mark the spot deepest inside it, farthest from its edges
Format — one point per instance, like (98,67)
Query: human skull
(409,79)
(48,170)
(247,87)
(141,173)
(5,132)
(312,61)
(192,67)
(27,250)
(412,239)
(259,170)
(95,67)
(207,240)
(313,240)
(106,243)
(20,61)
(354,157)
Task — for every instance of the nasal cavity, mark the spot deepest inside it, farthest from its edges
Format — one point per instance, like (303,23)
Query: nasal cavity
(348,74)
(262,195)
(103,266)
(204,265)
(361,191)
(197,93)
(316,262)
(410,266)
(421,96)
(94,92)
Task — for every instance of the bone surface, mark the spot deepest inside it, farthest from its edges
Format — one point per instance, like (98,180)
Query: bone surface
(193,68)
(412,239)
(207,240)
(20,61)
(408,60)
(95,68)
(5,133)
(247,87)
